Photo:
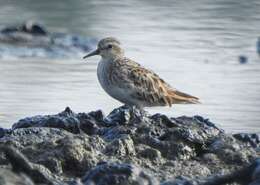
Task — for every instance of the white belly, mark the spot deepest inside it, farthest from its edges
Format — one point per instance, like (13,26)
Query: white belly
(119,94)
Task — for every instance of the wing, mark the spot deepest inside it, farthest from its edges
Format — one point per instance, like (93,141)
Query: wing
(147,86)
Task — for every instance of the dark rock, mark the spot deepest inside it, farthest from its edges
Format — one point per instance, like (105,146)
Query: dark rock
(21,164)
(242,59)
(7,177)
(229,150)
(89,123)
(149,153)
(252,139)
(124,116)
(123,146)
(246,175)
(9,29)
(60,151)
(67,120)
(179,181)
(118,174)
(182,137)
(31,39)
(33,28)
(29,27)
(2,132)
(129,146)
(29,173)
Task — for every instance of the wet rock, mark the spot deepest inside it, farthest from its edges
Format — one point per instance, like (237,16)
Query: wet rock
(78,155)
(210,158)
(149,153)
(90,123)
(29,27)
(28,172)
(2,132)
(123,146)
(177,138)
(21,164)
(32,39)
(179,181)
(252,139)
(118,174)
(67,120)
(229,150)
(59,151)
(256,173)
(7,177)
(129,146)
(125,116)
(243,175)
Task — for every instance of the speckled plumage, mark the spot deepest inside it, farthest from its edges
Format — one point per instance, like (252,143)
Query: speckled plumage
(132,84)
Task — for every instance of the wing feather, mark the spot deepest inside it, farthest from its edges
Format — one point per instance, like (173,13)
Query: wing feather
(145,85)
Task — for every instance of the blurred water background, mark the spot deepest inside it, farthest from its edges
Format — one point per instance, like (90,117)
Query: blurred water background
(193,45)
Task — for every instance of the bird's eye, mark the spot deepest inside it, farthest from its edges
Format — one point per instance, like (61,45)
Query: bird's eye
(109,46)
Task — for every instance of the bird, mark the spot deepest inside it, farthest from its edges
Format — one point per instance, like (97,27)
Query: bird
(132,84)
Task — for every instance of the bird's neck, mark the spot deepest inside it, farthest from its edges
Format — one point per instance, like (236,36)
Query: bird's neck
(112,58)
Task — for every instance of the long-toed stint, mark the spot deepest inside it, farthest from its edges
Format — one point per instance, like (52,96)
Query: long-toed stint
(132,84)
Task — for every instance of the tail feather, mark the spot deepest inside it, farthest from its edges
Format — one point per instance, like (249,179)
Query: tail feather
(182,98)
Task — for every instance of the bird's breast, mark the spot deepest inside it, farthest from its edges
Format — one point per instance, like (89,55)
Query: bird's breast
(103,74)
(104,71)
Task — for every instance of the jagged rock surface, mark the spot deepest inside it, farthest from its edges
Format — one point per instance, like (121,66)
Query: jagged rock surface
(128,146)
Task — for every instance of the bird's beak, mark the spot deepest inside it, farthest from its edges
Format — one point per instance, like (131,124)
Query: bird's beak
(96,52)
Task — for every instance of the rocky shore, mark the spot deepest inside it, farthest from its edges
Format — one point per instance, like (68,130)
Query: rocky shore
(31,39)
(127,147)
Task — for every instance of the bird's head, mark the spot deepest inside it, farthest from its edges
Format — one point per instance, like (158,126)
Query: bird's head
(108,48)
